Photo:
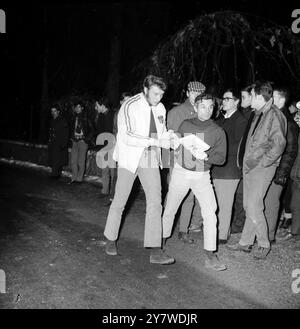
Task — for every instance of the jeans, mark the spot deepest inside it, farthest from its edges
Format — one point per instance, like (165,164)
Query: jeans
(256,184)
(151,183)
(78,157)
(225,191)
(272,205)
(182,181)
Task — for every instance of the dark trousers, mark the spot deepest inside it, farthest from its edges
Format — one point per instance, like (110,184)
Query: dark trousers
(238,218)
(295,207)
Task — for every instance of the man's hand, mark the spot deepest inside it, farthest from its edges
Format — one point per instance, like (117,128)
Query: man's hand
(168,140)
(199,155)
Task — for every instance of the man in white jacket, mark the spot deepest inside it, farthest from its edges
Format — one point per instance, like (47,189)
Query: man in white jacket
(141,134)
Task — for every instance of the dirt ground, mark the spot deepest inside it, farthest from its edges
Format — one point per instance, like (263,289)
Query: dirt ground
(52,255)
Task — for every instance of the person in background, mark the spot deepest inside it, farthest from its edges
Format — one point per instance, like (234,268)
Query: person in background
(58,141)
(238,218)
(227,176)
(295,203)
(103,122)
(190,216)
(283,171)
(81,135)
(124,96)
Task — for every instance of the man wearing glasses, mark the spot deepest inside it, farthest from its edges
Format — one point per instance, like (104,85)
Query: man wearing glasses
(192,171)
(227,176)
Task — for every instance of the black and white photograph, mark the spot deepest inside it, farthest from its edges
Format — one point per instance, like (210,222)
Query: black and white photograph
(149,158)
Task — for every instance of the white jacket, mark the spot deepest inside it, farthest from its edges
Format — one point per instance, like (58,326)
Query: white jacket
(133,130)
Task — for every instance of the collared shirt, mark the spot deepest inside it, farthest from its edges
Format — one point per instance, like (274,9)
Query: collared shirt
(227,116)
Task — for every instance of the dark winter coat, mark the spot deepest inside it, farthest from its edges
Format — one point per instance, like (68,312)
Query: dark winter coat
(290,153)
(58,142)
(86,125)
(266,144)
(103,123)
(234,128)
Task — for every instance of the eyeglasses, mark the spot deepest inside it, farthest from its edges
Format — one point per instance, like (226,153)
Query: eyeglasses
(227,99)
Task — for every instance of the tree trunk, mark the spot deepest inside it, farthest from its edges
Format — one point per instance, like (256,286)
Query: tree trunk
(113,81)
(43,131)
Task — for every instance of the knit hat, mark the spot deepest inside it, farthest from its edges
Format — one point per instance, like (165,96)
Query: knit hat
(196,86)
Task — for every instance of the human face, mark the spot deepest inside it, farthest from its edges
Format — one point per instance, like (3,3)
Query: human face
(192,96)
(204,109)
(257,101)
(153,95)
(54,113)
(229,102)
(279,101)
(293,109)
(78,108)
(246,99)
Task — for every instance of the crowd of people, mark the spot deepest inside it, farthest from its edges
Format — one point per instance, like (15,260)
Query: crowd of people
(233,162)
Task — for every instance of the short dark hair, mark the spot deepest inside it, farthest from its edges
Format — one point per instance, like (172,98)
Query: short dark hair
(283,92)
(263,88)
(204,96)
(234,92)
(103,101)
(78,102)
(152,80)
(247,89)
(125,94)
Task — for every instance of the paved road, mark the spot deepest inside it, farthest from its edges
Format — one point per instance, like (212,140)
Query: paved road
(51,252)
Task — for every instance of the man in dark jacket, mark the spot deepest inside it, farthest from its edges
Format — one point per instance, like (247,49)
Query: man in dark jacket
(238,218)
(264,147)
(58,141)
(103,134)
(81,135)
(272,200)
(227,176)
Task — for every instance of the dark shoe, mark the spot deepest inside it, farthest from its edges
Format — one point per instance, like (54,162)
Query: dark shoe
(160,257)
(214,264)
(72,182)
(222,241)
(111,248)
(285,236)
(55,176)
(184,237)
(261,252)
(239,247)
(286,223)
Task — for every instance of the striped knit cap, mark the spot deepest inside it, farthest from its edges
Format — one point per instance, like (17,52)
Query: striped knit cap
(196,86)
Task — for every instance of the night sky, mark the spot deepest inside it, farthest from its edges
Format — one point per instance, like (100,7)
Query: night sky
(78,37)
